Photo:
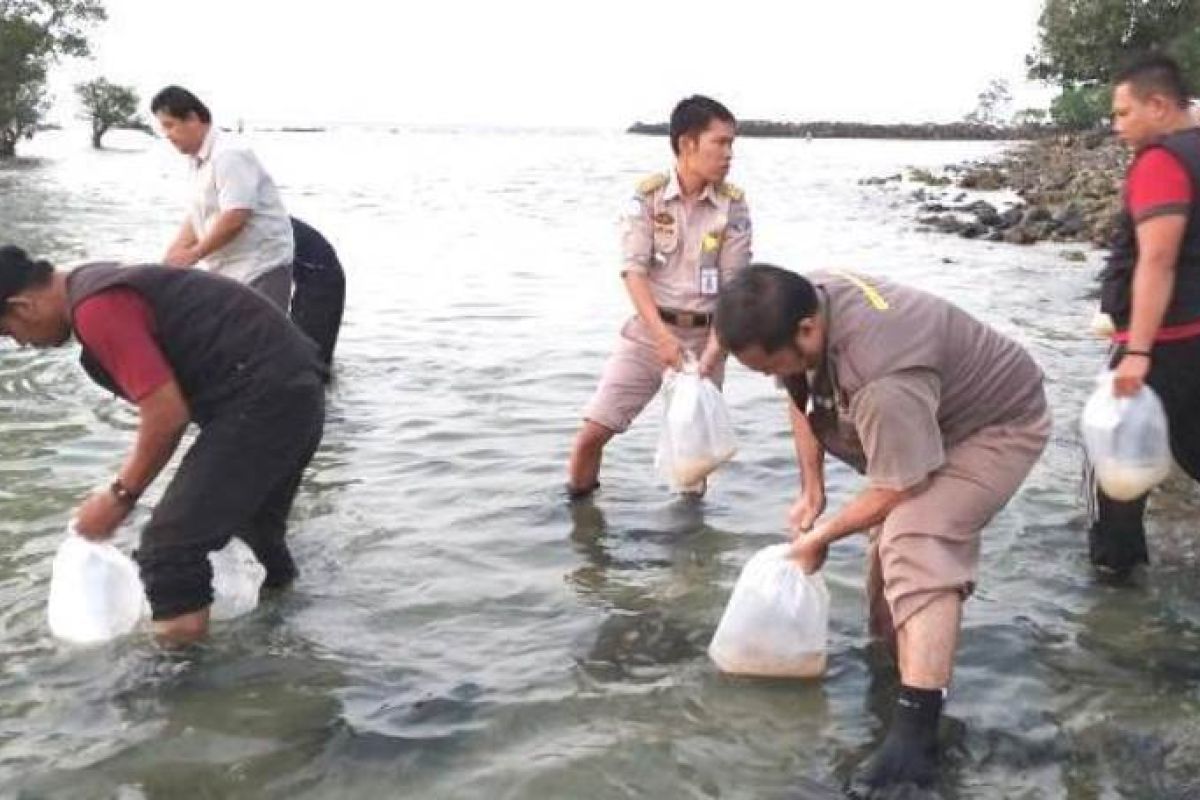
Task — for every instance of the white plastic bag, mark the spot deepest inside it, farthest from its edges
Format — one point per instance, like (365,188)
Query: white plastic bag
(95,592)
(1126,440)
(777,620)
(697,435)
(237,578)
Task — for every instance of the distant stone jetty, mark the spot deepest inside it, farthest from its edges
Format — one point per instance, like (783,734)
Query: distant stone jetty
(861,130)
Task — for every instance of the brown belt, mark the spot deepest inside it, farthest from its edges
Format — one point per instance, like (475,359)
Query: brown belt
(685,319)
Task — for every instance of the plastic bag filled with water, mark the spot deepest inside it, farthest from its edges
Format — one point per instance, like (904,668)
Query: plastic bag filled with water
(777,620)
(237,578)
(95,592)
(1126,440)
(697,435)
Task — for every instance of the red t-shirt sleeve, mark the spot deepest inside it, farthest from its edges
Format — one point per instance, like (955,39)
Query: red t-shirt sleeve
(1158,184)
(117,327)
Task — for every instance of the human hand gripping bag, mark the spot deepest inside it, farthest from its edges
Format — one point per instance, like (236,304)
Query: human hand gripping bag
(777,621)
(1126,440)
(697,434)
(95,592)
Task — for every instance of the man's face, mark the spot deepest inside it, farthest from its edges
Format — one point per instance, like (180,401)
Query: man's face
(802,353)
(186,134)
(30,318)
(1137,120)
(710,153)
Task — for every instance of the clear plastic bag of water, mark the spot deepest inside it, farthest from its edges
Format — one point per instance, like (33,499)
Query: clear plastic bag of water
(95,592)
(237,579)
(777,621)
(697,434)
(1126,440)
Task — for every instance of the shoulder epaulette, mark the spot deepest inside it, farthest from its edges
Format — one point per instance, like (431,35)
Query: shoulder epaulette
(653,183)
(731,191)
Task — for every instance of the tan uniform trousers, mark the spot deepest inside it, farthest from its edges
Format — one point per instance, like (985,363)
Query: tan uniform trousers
(633,374)
(929,543)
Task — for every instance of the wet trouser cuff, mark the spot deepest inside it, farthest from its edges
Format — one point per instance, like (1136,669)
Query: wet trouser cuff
(1117,539)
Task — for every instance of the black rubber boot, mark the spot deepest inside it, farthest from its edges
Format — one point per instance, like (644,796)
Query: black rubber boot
(909,753)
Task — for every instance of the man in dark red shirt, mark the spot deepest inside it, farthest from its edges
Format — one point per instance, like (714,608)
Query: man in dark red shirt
(1151,286)
(184,346)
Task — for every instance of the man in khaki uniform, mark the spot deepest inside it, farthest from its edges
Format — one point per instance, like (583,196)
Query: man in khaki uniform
(943,415)
(686,232)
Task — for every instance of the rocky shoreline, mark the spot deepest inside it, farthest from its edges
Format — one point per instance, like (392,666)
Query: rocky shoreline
(1067,189)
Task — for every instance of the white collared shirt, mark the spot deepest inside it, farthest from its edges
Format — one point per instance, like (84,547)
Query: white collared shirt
(227,175)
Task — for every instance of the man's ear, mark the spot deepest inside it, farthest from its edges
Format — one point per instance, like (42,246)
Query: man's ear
(19,304)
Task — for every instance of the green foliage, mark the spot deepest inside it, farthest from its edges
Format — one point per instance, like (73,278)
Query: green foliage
(33,34)
(1086,41)
(1080,107)
(108,105)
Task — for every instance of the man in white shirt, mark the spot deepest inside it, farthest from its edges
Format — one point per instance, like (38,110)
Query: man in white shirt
(236,225)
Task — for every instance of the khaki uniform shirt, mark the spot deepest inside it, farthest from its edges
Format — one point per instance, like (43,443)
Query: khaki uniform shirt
(908,375)
(686,253)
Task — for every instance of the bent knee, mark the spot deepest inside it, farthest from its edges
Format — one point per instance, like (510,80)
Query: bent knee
(593,435)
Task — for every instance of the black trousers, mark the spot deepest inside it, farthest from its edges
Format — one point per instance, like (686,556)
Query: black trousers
(1117,540)
(239,478)
(320,295)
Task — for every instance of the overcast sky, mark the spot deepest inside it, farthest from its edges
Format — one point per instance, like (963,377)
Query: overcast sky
(528,62)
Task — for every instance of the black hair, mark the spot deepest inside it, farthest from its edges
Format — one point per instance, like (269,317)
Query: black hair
(19,272)
(762,306)
(1155,73)
(179,102)
(692,116)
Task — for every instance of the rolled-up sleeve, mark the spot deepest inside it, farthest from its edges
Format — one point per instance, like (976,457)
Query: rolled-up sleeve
(637,237)
(735,248)
(896,419)
(236,174)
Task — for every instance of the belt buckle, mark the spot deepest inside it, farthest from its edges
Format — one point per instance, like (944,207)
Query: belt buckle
(687,319)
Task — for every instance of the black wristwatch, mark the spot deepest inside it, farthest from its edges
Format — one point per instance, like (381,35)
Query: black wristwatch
(125,496)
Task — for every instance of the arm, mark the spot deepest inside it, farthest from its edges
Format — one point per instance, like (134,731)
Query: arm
(869,508)
(637,242)
(810,502)
(896,419)
(1159,239)
(178,253)
(670,352)
(228,225)
(162,417)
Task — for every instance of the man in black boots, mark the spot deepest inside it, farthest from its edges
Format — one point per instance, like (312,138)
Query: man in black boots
(1151,286)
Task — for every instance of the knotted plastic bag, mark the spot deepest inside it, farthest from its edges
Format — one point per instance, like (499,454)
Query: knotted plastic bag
(237,578)
(777,620)
(95,592)
(697,435)
(1126,440)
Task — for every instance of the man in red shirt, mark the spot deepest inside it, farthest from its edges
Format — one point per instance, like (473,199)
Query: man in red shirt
(1151,286)
(184,346)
